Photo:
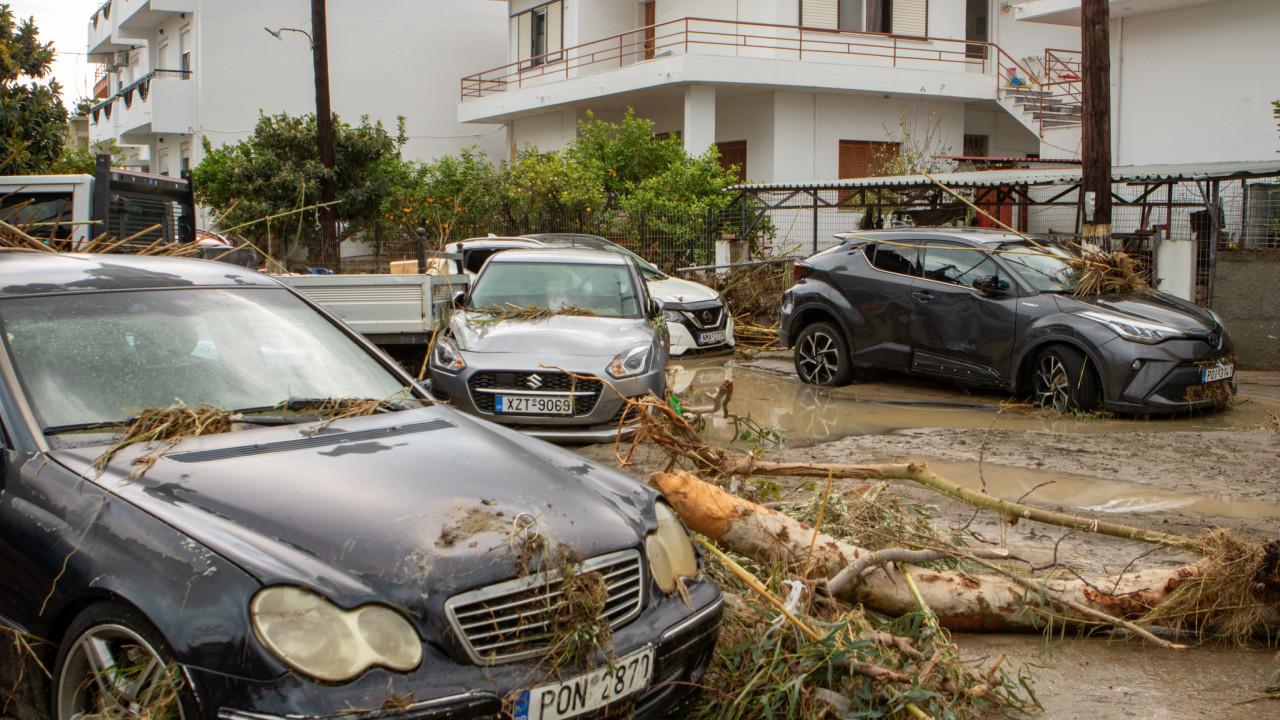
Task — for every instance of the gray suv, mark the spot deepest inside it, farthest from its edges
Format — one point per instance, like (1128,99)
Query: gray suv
(992,308)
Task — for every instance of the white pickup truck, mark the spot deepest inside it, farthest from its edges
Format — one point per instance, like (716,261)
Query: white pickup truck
(389,310)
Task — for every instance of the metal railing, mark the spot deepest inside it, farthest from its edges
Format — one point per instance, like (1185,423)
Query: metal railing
(1050,97)
(728,38)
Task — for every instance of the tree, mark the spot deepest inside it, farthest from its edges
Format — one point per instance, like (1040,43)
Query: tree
(76,160)
(33,120)
(268,185)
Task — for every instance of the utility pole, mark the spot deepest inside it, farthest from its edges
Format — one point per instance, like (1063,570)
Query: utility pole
(329,255)
(1095,18)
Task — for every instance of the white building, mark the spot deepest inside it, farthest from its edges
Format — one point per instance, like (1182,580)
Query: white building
(1192,80)
(794,90)
(184,70)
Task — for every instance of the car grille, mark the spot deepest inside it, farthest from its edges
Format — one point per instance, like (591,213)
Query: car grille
(1183,386)
(705,317)
(510,621)
(585,391)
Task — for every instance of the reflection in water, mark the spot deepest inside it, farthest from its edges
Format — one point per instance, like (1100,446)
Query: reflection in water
(808,414)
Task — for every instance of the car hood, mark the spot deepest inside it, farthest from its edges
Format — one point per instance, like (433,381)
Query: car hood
(398,508)
(1154,307)
(675,290)
(558,334)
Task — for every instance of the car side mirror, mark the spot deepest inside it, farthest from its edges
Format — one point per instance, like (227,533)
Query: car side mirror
(656,307)
(991,286)
(458,300)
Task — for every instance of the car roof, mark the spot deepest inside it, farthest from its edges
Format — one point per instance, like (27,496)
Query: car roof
(971,235)
(560,256)
(569,238)
(498,241)
(27,273)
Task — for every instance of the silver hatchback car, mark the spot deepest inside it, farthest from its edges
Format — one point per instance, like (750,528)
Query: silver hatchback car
(550,341)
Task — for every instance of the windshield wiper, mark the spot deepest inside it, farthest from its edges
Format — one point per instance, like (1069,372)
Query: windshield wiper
(83,427)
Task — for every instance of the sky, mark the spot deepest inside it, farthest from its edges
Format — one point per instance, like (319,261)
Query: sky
(66,23)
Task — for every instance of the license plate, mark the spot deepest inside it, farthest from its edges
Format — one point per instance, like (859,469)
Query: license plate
(584,693)
(707,338)
(1218,372)
(533,405)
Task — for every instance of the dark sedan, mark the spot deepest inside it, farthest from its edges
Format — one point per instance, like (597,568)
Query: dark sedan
(410,563)
(992,308)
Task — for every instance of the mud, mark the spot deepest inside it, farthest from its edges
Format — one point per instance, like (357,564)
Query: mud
(1177,475)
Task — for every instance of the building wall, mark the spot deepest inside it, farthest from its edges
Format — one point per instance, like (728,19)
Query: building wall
(1195,84)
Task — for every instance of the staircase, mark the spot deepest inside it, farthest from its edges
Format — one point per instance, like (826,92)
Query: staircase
(1044,108)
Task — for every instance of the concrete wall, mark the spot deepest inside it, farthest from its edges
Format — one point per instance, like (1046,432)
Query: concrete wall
(1196,84)
(1245,288)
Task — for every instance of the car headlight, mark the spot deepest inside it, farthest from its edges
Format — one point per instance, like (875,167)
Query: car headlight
(325,642)
(674,316)
(670,550)
(1136,330)
(632,362)
(446,356)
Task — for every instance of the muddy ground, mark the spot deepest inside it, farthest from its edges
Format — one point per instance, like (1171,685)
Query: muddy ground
(1181,475)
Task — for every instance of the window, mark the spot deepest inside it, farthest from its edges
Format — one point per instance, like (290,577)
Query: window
(162,162)
(732,154)
(945,262)
(538,34)
(975,146)
(184,49)
(899,17)
(894,258)
(184,153)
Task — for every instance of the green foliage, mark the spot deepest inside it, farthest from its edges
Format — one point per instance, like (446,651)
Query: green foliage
(83,107)
(33,121)
(83,161)
(453,198)
(269,184)
(543,192)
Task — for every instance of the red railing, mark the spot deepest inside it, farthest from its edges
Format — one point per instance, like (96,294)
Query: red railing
(1051,93)
(727,38)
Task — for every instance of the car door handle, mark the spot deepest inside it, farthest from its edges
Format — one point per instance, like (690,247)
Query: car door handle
(923,296)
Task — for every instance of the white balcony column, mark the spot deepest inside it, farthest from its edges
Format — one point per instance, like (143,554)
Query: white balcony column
(699,118)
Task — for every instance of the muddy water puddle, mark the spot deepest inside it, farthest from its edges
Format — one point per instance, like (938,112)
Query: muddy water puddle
(1092,495)
(807,414)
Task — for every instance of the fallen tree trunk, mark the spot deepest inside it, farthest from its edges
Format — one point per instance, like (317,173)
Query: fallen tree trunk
(1000,601)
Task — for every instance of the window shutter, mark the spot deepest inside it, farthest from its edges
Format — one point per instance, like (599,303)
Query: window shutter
(524,38)
(820,13)
(911,17)
(555,36)
(513,36)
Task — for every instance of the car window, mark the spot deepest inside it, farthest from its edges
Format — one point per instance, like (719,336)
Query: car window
(1045,265)
(606,290)
(894,257)
(98,357)
(958,264)
(474,259)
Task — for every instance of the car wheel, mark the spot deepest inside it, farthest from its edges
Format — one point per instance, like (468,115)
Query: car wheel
(115,665)
(821,356)
(1063,382)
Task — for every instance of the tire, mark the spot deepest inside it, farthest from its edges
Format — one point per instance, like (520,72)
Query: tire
(1063,381)
(822,356)
(114,664)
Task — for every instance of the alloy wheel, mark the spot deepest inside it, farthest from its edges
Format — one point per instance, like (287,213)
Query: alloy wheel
(111,672)
(1052,385)
(819,358)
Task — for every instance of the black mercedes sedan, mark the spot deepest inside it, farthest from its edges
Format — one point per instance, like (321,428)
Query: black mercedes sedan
(992,308)
(412,562)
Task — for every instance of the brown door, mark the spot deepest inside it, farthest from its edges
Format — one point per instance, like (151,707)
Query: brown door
(734,153)
(650,18)
(863,158)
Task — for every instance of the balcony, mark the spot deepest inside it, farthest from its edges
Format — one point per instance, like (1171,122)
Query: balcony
(162,101)
(143,15)
(696,50)
(102,25)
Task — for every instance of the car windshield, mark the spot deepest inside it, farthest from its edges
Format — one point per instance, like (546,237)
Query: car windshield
(1045,265)
(648,270)
(605,290)
(100,357)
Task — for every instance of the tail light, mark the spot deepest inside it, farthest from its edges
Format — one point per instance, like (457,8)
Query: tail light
(800,271)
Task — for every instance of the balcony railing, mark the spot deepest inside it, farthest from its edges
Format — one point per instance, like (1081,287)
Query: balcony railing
(103,11)
(736,39)
(140,87)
